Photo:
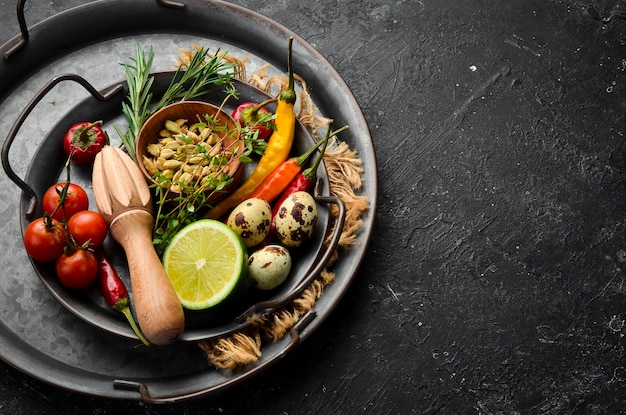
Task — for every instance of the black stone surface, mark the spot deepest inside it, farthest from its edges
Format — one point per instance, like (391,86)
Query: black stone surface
(494,283)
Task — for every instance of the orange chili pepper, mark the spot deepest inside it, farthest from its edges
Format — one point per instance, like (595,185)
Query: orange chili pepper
(284,174)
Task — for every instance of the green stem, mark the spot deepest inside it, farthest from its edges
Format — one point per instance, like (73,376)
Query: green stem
(257,107)
(312,171)
(301,159)
(84,132)
(289,94)
(126,311)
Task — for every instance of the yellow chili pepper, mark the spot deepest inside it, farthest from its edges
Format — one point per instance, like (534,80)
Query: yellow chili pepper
(276,152)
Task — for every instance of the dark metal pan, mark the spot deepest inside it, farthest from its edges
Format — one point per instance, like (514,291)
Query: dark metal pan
(88,304)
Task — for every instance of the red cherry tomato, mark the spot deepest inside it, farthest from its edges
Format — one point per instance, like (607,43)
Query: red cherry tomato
(83,141)
(88,227)
(44,240)
(244,114)
(75,200)
(77,269)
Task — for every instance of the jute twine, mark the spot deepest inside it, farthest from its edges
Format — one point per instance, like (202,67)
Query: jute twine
(345,170)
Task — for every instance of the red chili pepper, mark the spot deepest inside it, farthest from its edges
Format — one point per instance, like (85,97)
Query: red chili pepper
(247,114)
(115,293)
(281,176)
(303,182)
(83,141)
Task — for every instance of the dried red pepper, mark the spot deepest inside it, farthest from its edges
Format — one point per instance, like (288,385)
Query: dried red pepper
(115,293)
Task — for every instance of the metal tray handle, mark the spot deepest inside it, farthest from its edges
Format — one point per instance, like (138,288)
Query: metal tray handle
(28,191)
(144,390)
(21,19)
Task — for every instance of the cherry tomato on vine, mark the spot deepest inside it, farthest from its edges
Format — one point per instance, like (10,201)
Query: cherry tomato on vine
(76,200)
(89,227)
(44,239)
(77,269)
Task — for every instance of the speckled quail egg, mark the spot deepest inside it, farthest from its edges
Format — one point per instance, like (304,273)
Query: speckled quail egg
(296,220)
(251,220)
(269,266)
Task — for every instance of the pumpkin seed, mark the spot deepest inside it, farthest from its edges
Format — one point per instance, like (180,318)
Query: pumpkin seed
(172,145)
(186,153)
(150,166)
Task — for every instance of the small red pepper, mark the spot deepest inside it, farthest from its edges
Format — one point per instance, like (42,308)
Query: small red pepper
(281,176)
(248,115)
(83,141)
(303,182)
(115,293)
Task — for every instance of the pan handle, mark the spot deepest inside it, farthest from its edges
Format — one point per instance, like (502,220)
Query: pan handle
(267,307)
(144,390)
(28,191)
(21,19)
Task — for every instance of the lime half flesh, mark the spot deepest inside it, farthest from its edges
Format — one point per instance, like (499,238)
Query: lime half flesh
(205,262)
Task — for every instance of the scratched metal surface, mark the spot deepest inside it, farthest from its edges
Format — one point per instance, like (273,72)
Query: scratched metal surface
(494,282)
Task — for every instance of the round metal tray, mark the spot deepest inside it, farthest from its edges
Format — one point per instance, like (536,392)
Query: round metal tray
(37,334)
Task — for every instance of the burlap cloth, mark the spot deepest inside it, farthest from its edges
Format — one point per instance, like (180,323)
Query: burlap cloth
(345,169)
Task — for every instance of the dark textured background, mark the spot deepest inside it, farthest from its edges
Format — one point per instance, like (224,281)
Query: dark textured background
(494,282)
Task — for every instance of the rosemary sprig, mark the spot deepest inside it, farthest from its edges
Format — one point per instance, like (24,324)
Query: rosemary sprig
(199,77)
(137,109)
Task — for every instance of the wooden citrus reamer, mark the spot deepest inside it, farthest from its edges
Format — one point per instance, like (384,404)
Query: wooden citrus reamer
(123,198)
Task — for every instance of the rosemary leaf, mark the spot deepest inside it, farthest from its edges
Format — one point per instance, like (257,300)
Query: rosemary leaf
(137,109)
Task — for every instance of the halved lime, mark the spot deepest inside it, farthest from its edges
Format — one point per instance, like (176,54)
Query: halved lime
(205,261)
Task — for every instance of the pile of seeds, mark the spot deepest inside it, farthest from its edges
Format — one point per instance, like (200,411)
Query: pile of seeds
(188,157)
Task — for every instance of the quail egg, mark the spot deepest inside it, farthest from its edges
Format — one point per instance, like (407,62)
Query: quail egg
(269,266)
(251,220)
(296,220)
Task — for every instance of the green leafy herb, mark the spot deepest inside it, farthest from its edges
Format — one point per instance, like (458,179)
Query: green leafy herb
(200,77)
(254,145)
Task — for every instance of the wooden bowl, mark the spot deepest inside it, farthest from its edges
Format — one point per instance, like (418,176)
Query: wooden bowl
(225,132)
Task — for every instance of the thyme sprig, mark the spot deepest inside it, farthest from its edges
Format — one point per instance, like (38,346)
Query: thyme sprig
(176,209)
(174,213)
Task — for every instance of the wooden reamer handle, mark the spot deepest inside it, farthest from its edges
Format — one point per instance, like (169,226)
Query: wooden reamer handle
(157,307)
